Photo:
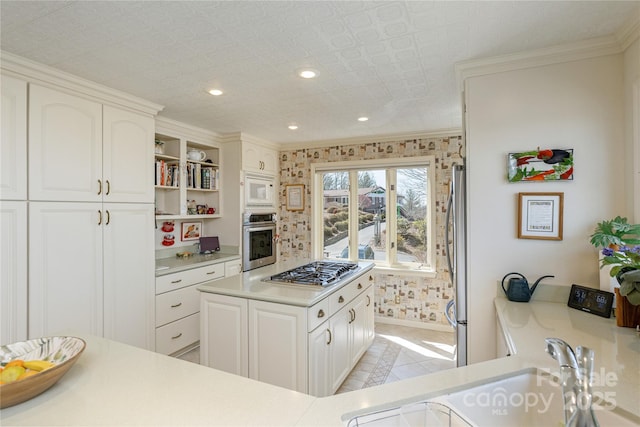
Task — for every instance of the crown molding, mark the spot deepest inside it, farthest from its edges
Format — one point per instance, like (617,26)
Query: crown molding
(172,127)
(34,72)
(245,137)
(628,33)
(585,49)
(444,133)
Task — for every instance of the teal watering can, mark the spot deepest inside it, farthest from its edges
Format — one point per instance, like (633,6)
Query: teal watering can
(518,288)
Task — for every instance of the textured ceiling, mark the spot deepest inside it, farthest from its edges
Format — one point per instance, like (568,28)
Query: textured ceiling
(390,61)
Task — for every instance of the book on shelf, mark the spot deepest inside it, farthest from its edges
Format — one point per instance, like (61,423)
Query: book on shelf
(166,174)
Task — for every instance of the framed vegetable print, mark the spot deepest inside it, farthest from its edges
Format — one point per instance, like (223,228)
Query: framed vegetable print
(541,165)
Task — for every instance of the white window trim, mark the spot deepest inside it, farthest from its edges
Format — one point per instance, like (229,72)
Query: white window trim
(401,162)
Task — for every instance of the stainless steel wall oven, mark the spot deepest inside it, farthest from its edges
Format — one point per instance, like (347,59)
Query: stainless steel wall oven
(258,240)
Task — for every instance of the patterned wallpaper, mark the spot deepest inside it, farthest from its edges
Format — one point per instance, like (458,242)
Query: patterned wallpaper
(421,299)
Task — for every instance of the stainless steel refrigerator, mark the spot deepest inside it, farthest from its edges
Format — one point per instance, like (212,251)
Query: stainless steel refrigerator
(456,251)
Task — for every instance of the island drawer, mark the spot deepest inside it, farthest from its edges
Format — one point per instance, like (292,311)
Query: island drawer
(346,294)
(177,304)
(185,278)
(178,335)
(317,314)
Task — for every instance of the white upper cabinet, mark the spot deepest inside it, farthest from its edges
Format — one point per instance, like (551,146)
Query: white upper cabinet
(127,156)
(82,151)
(256,158)
(65,147)
(13,146)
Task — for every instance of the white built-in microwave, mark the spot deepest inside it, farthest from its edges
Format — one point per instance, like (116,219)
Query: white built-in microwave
(259,191)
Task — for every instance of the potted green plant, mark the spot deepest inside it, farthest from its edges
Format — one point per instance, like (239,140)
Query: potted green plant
(620,244)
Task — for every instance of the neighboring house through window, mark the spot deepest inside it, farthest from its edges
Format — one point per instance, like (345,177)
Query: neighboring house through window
(379,210)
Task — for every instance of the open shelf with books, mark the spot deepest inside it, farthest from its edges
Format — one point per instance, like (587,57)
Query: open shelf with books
(187,177)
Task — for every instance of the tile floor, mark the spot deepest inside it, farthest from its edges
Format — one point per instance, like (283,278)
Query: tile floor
(397,353)
(401,352)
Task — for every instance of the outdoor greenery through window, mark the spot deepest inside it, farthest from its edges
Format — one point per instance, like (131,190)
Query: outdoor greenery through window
(375,210)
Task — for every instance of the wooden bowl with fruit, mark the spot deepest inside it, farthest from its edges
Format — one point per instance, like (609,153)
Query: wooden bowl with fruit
(28,368)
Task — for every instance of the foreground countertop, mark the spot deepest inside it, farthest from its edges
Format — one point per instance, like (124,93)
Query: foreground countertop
(116,384)
(250,285)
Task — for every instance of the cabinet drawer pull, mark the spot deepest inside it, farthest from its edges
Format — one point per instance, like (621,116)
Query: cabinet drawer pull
(330,337)
(320,313)
(176,281)
(352,315)
(368,300)
(108,188)
(177,336)
(359,285)
(99,217)
(212,272)
(99,186)
(108,217)
(176,305)
(341,300)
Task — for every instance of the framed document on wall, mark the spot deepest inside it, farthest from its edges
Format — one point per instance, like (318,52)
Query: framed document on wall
(295,197)
(540,216)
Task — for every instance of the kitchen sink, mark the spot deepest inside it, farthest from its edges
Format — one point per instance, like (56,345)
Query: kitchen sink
(525,398)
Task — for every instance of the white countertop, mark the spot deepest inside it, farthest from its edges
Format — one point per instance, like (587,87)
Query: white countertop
(250,285)
(174,264)
(116,384)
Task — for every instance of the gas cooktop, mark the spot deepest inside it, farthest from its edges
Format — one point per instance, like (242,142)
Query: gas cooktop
(317,273)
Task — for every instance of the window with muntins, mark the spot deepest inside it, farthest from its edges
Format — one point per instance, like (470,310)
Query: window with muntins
(376,210)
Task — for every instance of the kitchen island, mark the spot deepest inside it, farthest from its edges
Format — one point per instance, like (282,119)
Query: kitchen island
(116,384)
(275,324)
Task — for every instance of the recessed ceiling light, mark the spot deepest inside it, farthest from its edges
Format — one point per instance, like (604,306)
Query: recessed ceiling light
(215,92)
(293,127)
(363,119)
(307,74)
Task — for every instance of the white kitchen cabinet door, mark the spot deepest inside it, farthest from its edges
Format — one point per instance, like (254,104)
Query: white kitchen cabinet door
(128,147)
(359,328)
(13,272)
(278,343)
(65,268)
(13,143)
(232,268)
(224,333)
(319,361)
(65,147)
(340,348)
(370,328)
(256,158)
(129,273)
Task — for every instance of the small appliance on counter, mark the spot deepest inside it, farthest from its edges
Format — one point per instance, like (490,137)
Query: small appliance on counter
(209,245)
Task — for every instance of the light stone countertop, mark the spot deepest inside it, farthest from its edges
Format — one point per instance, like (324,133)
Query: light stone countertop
(116,384)
(250,285)
(174,264)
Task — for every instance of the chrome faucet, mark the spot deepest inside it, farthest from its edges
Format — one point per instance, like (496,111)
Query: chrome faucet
(576,369)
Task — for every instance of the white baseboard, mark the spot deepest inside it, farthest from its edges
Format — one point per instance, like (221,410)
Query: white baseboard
(413,324)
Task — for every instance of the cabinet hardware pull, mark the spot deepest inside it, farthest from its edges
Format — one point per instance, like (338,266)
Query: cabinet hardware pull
(99,217)
(177,336)
(99,186)
(108,188)
(370,278)
(352,315)
(108,217)
(330,337)
(359,285)
(212,272)
(176,305)
(340,300)
(177,281)
(320,313)
(368,300)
